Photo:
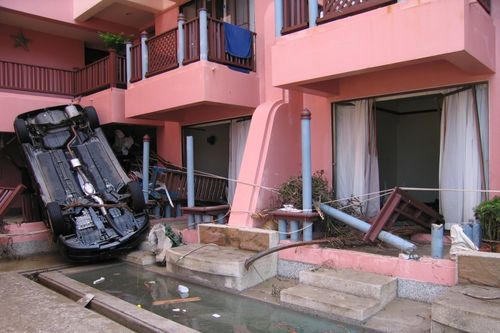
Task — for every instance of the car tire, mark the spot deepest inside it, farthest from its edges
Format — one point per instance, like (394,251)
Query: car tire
(137,202)
(56,219)
(22,132)
(92,116)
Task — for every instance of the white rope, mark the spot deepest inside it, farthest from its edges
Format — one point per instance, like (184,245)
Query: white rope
(383,192)
(447,189)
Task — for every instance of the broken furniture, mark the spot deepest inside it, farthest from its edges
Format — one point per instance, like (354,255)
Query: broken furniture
(209,190)
(219,258)
(7,196)
(207,214)
(401,204)
(289,223)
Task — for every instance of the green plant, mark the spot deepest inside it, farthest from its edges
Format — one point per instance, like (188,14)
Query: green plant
(114,41)
(488,213)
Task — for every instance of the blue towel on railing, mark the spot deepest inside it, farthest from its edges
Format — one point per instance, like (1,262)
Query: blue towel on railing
(238,41)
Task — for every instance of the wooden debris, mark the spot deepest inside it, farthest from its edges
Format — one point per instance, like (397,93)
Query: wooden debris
(177,300)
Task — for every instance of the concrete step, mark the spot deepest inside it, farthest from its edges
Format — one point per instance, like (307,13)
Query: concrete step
(380,287)
(220,266)
(467,308)
(331,302)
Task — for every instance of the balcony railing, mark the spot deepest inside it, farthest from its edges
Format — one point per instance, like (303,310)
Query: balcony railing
(162,50)
(104,73)
(295,16)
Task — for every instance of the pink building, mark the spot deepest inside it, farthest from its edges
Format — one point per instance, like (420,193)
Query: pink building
(402,93)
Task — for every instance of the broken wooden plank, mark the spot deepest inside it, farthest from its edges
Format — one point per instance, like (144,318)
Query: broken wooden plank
(177,300)
(85,300)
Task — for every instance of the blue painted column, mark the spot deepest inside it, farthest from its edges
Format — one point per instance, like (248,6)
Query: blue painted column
(282,229)
(306,171)
(203,34)
(467,227)
(145,166)
(144,54)
(278,16)
(476,233)
(294,231)
(128,56)
(180,39)
(220,218)
(313,12)
(190,179)
(437,240)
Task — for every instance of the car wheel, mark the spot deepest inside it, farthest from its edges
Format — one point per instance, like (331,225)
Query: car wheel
(22,132)
(137,202)
(56,219)
(92,116)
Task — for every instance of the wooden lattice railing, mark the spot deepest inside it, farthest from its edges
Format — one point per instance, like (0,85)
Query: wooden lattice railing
(295,15)
(217,51)
(335,9)
(162,52)
(191,41)
(136,63)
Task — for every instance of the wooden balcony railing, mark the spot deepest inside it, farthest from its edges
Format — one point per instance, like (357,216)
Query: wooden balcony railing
(36,78)
(295,16)
(104,73)
(217,51)
(336,9)
(191,41)
(136,63)
(162,52)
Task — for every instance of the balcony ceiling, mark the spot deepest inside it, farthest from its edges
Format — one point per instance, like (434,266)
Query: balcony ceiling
(126,15)
(51,27)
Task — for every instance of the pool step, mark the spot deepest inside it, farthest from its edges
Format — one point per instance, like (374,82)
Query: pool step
(346,293)
(380,287)
(220,266)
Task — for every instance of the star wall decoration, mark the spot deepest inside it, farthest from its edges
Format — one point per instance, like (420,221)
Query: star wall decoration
(21,41)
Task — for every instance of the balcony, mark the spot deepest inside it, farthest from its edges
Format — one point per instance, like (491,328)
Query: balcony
(100,75)
(192,66)
(358,40)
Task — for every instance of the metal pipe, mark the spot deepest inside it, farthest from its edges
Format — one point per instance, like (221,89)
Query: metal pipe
(306,172)
(476,233)
(145,166)
(362,226)
(190,177)
(437,241)
(203,34)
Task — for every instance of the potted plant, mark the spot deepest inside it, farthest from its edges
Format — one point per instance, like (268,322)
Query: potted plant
(488,213)
(115,41)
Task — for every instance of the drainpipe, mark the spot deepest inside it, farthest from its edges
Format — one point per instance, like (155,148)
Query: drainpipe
(180,39)
(437,241)
(306,172)
(203,34)
(144,53)
(278,16)
(128,55)
(313,12)
(362,226)
(190,179)
(145,166)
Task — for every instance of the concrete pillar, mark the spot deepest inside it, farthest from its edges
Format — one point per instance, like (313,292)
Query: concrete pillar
(278,16)
(180,39)
(282,229)
(437,241)
(145,166)
(306,171)
(294,231)
(203,34)
(313,12)
(144,54)
(128,56)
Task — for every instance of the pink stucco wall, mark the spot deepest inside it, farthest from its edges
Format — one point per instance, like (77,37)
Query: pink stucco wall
(43,49)
(166,20)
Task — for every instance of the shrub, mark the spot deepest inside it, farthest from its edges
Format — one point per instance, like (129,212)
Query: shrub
(488,213)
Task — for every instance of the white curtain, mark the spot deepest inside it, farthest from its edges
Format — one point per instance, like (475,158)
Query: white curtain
(238,133)
(356,153)
(461,165)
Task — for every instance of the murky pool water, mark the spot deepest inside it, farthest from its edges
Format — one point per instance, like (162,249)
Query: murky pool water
(215,311)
